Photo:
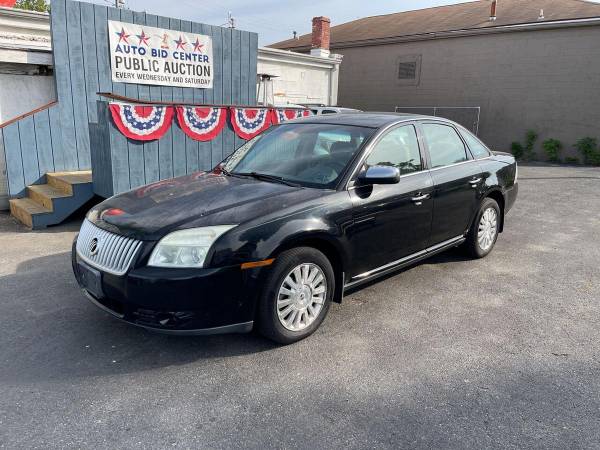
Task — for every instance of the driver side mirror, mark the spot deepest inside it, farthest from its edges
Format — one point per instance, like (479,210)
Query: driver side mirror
(379,175)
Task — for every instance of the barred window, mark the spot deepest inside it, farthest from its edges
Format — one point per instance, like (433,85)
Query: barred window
(407,70)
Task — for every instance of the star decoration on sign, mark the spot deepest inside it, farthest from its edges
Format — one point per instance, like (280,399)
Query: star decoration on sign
(143,38)
(181,43)
(123,36)
(197,45)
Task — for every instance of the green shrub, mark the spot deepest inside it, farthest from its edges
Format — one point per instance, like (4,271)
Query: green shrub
(517,150)
(530,139)
(588,147)
(571,160)
(525,152)
(552,147)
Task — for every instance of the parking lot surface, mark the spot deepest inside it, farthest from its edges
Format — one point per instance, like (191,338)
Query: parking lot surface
(500,352)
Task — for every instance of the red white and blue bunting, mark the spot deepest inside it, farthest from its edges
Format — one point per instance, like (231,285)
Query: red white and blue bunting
(142,122)
(201,123)
(248,122)
(281,115)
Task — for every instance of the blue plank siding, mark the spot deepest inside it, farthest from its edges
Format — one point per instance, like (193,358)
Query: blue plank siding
(66,135)
(103,55)
(191,146)
(244,71)
(202,96)
(43,141)
(165,145)
(180,165)
(55,132)
(119,156)
(14,160)
(227,54)
(90,59)
(137,173)
(101,159)
(78,88)
(236,91)
(114,14)
(62,73)
(150,93)
(216,154)
(31,168)
(252,68)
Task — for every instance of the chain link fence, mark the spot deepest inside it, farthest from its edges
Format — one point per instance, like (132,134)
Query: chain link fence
(467,116)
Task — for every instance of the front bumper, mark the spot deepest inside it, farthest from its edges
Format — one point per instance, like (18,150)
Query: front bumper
(177,301)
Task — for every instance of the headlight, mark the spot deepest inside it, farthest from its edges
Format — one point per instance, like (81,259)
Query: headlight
(186,248)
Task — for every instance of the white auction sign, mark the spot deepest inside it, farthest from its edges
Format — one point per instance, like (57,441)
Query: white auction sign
(148,55)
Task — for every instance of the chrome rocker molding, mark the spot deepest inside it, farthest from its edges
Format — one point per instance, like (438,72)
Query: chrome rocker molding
(403,262)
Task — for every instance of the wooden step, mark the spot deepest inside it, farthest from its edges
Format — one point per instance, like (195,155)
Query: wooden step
(44,194)
(64,181)
(25,208)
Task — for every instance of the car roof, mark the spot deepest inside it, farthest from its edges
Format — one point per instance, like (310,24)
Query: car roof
(364,119)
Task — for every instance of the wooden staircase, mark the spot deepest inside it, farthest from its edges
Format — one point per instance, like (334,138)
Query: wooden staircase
(51,203)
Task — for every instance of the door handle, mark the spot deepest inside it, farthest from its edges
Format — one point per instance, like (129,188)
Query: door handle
(474,182)
(418,200)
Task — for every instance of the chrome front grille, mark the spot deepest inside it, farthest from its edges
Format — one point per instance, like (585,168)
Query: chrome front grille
(105,250)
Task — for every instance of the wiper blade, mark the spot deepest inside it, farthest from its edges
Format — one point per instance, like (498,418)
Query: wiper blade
(266,177)
(225,171)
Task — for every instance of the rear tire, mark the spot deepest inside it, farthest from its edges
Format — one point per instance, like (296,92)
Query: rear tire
(296,296)
(484,230)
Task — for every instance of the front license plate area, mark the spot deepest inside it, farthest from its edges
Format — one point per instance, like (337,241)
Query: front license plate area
(91,279)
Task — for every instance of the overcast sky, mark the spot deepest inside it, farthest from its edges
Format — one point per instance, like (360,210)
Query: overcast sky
(274,20)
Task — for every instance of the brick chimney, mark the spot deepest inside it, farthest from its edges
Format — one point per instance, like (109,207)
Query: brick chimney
(493,10)
(320,36)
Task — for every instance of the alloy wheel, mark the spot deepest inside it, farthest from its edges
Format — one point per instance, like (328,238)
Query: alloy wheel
(488,228)
(301,296)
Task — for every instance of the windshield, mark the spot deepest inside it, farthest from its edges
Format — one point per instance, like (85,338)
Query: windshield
(313,155)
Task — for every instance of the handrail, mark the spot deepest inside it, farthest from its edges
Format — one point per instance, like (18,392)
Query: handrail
(122,98)
(27,114)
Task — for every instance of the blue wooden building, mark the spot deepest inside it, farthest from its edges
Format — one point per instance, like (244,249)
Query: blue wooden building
(50,152)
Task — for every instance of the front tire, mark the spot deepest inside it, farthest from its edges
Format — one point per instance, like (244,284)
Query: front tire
(297,295)
(484,231)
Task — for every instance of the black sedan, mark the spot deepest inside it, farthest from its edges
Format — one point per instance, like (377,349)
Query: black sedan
(288,222)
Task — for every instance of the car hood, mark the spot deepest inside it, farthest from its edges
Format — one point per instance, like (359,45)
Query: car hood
(199,199)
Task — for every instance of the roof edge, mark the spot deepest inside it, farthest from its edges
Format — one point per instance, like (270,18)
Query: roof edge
(302,56)
(526,26)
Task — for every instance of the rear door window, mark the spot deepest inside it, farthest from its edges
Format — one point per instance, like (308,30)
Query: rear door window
(445,145)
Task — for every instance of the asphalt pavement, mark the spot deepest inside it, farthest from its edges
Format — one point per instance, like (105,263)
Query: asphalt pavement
(452,353)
